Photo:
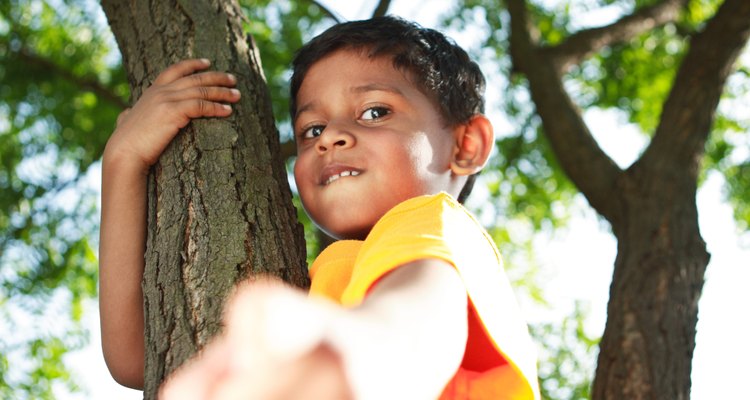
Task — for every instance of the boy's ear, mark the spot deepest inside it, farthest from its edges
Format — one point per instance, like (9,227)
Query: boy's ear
(474,141)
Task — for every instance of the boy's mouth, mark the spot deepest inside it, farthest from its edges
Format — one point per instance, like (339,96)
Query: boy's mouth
(335,172)
(336,177)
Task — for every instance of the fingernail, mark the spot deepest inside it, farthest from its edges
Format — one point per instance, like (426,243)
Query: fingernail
(226,107)
(206,61)
(232,78)
(234,92)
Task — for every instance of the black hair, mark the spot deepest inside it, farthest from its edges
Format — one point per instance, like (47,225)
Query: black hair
(441,69)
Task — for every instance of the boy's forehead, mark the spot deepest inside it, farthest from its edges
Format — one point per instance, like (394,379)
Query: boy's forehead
(354,56)
(382,71)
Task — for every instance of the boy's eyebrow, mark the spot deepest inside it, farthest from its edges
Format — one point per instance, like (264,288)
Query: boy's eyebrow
(377,87)
(301,110)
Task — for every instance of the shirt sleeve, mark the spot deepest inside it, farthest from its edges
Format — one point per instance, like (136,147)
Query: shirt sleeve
(438,227)
(331,272)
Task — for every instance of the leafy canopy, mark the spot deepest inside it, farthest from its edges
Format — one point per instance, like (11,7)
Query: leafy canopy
(62,86)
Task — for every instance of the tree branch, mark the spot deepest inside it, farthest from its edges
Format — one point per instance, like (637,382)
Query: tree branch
(590,169)
(588,41)
(327,11)
(85,83)
(381,9)
(688,113)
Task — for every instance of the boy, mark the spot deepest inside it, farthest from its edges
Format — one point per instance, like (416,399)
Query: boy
(388,124)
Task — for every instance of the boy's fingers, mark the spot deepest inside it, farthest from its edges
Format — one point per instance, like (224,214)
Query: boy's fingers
(208,78)
(204,108)
(310,377)
(315,376)
(199,377)
(283,321)
(213,93)
(180,69)
(322,377)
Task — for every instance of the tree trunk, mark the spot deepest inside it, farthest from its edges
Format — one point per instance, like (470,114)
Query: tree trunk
(647,348)
(220,208)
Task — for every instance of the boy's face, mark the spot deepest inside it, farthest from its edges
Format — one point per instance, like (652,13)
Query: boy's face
(367,139)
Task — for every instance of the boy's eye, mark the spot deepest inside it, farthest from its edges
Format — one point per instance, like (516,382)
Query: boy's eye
(374,113)
(313,132)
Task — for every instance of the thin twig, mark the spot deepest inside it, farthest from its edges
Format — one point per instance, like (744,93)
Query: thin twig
(327,11)
(585,42)
(382,8)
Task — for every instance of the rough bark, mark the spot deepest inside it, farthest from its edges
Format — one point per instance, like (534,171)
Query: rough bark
(220,208)
(647,348)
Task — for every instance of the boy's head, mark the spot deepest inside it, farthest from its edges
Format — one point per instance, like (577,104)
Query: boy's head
(392,107)
(440,69)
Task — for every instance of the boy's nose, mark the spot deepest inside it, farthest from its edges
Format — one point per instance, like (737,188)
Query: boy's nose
(334,137)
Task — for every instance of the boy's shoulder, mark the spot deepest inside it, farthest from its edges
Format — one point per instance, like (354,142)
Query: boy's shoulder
(436,225)
(437,212)
(427,204)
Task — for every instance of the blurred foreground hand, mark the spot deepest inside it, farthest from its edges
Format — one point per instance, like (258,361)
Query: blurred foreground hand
(273,347)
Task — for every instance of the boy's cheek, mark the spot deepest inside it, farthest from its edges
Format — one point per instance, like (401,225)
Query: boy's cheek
(302,171)
(305,182)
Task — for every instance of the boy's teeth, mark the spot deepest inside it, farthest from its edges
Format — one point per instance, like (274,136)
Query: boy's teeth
(337,176)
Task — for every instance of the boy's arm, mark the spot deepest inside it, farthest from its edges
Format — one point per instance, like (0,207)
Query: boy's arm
(410,332)
(143,132)
(121,252)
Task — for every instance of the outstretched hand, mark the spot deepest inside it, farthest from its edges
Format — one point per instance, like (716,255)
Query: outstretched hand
(405,341)
(272,348)
(179,93)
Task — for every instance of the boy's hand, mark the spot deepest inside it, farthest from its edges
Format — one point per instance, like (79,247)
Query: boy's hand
(177,95)
(404,342)
(314,376)
(271,349)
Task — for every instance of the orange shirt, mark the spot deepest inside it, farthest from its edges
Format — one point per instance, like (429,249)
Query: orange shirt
(500,359)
